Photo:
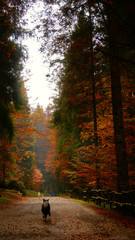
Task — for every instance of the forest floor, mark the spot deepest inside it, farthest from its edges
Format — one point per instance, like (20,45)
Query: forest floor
(70,220)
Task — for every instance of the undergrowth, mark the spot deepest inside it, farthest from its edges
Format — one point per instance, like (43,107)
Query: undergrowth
(4,200)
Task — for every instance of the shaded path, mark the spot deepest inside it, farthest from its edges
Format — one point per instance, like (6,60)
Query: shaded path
(70,220)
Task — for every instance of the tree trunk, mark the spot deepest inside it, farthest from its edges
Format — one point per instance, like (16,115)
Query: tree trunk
(93,93)
(3,154)
(120,145)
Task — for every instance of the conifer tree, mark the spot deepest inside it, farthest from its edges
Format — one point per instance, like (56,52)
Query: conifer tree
(11,59)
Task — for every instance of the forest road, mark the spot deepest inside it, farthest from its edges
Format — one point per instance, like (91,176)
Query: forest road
(70,220)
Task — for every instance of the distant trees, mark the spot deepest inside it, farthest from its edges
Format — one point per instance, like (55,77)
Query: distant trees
(41,145)
(44,146)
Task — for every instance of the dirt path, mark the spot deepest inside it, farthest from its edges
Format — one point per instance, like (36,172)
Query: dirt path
(70,220)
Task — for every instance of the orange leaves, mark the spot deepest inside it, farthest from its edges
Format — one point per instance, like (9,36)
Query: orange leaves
(51,153)
(37,176)
(29,154)
(37,179)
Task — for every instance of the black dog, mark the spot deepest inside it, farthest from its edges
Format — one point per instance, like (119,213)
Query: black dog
(46,208)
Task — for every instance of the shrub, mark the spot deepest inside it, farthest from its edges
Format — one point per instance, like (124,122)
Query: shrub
(17,185)
(31,193)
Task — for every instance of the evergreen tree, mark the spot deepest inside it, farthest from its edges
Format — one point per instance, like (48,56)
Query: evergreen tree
(11,59)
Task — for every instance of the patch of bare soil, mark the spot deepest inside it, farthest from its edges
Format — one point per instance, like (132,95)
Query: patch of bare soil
(70,220)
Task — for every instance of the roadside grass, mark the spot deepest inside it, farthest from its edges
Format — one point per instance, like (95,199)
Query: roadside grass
(4,200)
(7,196)
(32,193)
(107,206)
(82,201)
(10,195)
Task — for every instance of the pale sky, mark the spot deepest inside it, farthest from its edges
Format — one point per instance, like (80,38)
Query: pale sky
(37,83)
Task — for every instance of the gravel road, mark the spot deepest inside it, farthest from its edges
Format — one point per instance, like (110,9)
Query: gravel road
(70,220)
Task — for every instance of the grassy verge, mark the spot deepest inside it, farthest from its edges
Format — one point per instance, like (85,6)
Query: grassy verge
(4,200)
(31,193)
(9,195)
(82,201)
(94,204)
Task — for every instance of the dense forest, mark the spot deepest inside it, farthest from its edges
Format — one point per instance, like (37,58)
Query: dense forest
(85,139)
